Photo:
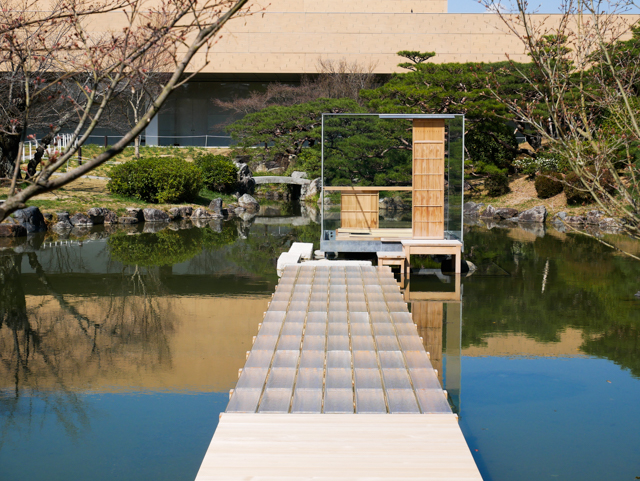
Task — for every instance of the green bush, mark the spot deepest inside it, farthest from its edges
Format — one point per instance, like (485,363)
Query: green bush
(575,191)
(548,185)
(219,173)
(164,180)
(496,183)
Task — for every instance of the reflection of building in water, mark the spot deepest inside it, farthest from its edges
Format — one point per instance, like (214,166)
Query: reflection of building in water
(438,315)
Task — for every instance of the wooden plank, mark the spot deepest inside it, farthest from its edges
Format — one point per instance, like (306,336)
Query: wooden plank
(405,188)
(338,447)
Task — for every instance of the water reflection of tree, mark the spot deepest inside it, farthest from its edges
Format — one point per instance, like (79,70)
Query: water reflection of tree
(44,350)
(586,288)
(25,343)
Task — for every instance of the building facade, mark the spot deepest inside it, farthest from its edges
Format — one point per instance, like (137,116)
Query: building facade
(285,39)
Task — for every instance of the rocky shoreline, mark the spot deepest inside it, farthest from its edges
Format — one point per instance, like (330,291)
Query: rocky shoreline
(509,217)
(31,221)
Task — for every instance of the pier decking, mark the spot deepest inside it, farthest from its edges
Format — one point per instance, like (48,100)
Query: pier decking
(338,386)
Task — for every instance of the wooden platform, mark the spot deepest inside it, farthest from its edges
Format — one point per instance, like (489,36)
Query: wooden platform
(390,234)
(338,447)
(338,386)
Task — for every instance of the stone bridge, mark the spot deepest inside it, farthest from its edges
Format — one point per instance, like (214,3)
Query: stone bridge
(280,179)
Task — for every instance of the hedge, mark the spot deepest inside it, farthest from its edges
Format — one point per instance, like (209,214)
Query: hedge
(219,173)
(160,180)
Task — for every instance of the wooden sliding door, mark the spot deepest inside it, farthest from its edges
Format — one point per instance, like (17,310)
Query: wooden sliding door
(359,210)
(428,179)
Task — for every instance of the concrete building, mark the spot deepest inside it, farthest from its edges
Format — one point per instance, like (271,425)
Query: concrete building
(288,38)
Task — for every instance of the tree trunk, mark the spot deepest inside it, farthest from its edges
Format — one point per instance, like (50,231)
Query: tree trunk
(137,147)
(9,146)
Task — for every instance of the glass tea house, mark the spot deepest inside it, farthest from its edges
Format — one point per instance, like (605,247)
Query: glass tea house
(392,182)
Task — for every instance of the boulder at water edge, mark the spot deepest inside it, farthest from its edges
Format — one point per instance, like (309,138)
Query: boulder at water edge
(506,212)
(489,213)
(472,209)
(535,214)
(31,219)
(11,229)
(155,215)
(248,203)
(135,212)
(216,206)
(80,220)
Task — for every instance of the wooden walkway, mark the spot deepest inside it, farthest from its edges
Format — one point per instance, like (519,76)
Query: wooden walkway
(338,386)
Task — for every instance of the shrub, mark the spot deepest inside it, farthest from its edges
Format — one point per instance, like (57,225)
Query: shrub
(219,173)
(548,185)
(496,183)
(575,191)
(530,166)
(163,180)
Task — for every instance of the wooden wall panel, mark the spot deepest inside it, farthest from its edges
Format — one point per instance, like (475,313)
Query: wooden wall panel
(428,178)
(359,210)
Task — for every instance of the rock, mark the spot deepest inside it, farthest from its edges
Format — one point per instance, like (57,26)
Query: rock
(561,215)
(314,188)
(238,210)
(64,224)
(31,219)
(174,213)
(245,181)
(637,294)
(400,205)
(127,220)
(12,230)
(135,212)
(186,211)
(512,219)
(96,214)
(48,217)
(216,206)
(248,203)
(535,214)
(201,213)
(593,217)
(472,209)
(387,204)
(575,219)
(155,215)
(489,213)
(506,212)
(299,175)
(80,220)
(110,217)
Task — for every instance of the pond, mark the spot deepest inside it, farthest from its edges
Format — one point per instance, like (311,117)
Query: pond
(117,353)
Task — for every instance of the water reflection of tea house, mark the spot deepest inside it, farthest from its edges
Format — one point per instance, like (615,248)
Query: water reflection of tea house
(435,302)
(416,160)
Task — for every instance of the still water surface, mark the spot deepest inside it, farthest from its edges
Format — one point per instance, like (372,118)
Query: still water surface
(116,356)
